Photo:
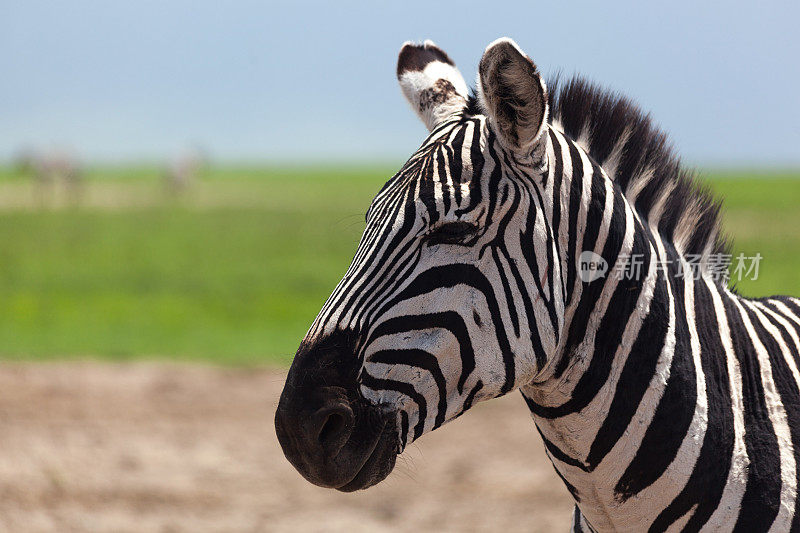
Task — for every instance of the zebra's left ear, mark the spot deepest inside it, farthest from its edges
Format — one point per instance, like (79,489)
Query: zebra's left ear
(513,95)
(431,82)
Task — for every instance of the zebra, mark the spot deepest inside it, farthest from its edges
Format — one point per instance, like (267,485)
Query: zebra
(665,400)
(183,170)
(49,168)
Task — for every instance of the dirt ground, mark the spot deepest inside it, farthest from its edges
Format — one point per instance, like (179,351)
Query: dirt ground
(161,447)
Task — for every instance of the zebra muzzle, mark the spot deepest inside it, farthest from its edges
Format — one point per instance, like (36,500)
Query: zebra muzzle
(329,433)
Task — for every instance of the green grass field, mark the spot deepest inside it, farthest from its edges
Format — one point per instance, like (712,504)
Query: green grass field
(235,269)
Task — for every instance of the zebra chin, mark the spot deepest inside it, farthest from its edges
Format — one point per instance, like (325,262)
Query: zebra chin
(332,435)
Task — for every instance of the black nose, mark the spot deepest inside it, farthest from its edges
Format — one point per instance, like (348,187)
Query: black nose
(314,431)
(327,430)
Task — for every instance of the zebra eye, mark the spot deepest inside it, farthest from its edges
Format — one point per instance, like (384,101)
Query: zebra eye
(451,233)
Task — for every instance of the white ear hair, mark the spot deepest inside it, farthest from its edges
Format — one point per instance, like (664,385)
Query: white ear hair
(431,82)
(513,95)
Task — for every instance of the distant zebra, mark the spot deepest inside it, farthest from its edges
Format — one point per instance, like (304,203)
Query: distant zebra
(51,168)
(184,170)
(665,400)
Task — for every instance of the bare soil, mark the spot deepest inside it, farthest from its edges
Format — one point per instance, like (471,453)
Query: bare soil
(164,447)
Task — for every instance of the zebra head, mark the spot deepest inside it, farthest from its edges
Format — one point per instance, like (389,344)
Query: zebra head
(455,293)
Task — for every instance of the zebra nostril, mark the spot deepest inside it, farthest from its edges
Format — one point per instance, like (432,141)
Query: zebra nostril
(335,427)
(332,427)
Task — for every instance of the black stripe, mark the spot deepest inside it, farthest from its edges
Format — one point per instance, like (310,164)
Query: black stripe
(442,170)
(613,322)
(576,519)
(392,251)
(463,274)
(477,160)
(558,453)
(558,171)
(784,382)
(448,320)
(793,310)
(404,428)
(418,359)
(471,396)
(528,252)
(576,190)
(762,496)
(427,193)
(639,369)
(594,217)
(406,389)
(710,474)
(674,412)
(511,305)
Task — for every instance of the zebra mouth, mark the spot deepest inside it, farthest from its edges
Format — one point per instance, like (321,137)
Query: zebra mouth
(379,462)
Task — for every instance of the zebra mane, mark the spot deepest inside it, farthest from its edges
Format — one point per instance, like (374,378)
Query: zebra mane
(638,156)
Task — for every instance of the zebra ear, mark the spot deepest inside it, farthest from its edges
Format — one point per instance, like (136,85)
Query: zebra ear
(513,95)
(430,82)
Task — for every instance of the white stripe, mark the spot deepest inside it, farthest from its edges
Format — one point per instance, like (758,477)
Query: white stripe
(777,416)
(788,489)
(728,509)
(667,487)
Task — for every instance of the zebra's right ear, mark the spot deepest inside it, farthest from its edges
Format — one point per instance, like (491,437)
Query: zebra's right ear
(431,82)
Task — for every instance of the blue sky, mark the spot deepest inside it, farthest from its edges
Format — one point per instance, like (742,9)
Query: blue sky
(288,81)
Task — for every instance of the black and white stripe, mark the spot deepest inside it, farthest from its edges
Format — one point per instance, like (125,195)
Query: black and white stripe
(665,401)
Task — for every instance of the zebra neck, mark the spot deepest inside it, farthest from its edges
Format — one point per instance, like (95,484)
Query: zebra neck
(590,215)
(672,401)
(617,327)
